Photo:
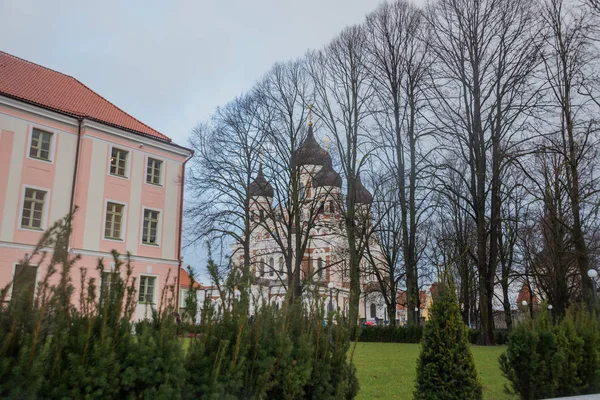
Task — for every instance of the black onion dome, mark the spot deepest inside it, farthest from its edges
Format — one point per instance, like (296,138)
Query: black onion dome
(311,153)
(260,186)
(327,177)
(363,196)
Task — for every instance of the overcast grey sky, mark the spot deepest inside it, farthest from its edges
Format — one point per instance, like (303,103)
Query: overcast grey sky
(171,63)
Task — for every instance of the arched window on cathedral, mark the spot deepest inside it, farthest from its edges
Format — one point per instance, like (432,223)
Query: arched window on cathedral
(271,267)
(281,266)
(262,267)
(262,215)
(321,208)
(320,268)
(373,310)
(302,190)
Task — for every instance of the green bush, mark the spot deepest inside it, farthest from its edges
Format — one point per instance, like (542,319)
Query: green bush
(413,334)
(55,350)
(445,368)
(280,354)
(51,349)
(545,360)
(391,334)
(500,336)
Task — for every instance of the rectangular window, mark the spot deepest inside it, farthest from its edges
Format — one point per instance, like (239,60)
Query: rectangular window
(114,221)
(149,235)
(153,171)
(24,281)
(40,144)
(118,162)
(183,298)
(33,208)
(108,281)
(147,284)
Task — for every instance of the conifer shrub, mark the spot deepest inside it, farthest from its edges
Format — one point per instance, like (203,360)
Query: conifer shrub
(445,367)
(51,349)
(546,360)
(284,354)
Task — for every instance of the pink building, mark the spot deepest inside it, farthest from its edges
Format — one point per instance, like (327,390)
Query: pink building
(62,145)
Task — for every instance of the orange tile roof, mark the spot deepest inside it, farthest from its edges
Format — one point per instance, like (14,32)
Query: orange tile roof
(525,295)
(185,280)
(401,299)
(41,86)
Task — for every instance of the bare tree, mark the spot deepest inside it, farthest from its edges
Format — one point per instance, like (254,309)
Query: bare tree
(572,130)
(513,215)
(455,236)
(546,240)
(296,216)
(398,64)
(226,156)
(485,53)
(384,249)
(340,78)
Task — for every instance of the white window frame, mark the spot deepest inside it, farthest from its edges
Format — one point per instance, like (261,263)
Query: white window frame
(183,297)
(154,295)
(127,162)
(51,151)
(158,228)
(123,222)
(162,170)
(45,211)
(105,271)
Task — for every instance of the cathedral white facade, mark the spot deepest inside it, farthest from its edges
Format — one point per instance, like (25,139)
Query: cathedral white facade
(324,272)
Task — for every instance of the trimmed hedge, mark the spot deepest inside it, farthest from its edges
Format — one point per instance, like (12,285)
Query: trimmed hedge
(500,336)
(413,334)
(401,334)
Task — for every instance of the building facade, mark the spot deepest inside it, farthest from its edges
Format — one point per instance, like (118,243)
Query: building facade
(64,146)
(324,272)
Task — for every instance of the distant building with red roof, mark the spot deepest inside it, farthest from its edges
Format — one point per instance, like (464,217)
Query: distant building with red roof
(525,295)
(401,306)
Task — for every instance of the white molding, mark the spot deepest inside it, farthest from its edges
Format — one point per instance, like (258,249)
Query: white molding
(19,105)
(156,143)
(148,260)
(44,126)
(91,253)
(23,246)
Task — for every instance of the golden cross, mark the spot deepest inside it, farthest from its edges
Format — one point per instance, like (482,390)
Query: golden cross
(310,107)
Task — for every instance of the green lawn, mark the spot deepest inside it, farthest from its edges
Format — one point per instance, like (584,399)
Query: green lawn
(388,370)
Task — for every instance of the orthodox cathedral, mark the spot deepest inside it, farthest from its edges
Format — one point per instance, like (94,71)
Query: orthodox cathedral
(324,269)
